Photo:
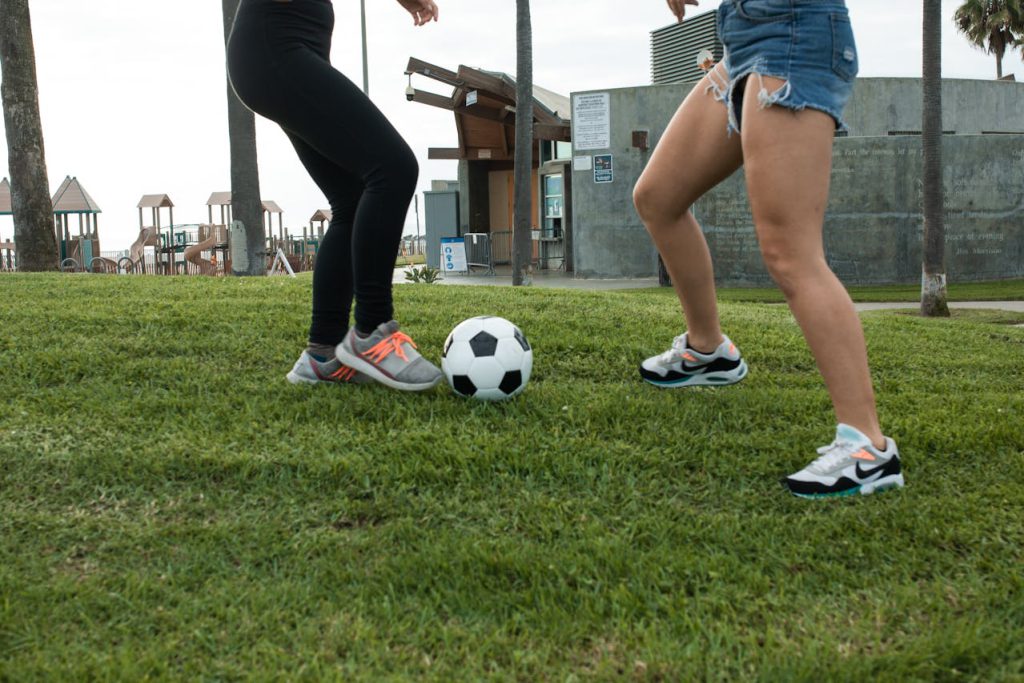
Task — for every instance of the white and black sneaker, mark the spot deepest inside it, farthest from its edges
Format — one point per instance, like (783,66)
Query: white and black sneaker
(682,366)
(848,466)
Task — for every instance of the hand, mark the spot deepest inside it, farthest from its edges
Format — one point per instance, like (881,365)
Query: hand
(422,11)
(678,7)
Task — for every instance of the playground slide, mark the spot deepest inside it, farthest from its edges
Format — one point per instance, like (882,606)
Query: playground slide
(194,256)
(138,246)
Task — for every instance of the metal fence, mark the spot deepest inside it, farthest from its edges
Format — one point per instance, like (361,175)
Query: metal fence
(478,251)
(501,247)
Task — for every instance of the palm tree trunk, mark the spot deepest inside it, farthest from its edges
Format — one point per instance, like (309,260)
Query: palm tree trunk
(999,65)
(30,187)
(522,241)
(933,277)
(246,205)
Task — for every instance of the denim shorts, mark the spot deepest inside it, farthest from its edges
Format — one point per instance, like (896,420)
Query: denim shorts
(808,44)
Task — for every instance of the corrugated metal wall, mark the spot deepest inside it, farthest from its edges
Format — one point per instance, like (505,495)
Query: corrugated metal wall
(674,49)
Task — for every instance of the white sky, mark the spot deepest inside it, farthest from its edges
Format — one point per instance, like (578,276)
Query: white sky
(133,95)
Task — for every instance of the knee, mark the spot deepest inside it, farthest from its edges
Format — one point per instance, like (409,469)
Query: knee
(407,168)
(396,172)
(403,170)
(656,206)
(789,268)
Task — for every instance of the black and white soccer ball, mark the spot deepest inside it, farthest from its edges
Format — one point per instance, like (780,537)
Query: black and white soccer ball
(487,358)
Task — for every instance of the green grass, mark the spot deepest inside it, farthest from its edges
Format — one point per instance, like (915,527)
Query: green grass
(410,260)
(1001,290)
(171,508)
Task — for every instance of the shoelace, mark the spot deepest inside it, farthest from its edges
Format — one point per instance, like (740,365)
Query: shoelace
(677,350)
(833,453)
(343,374)
(387,346)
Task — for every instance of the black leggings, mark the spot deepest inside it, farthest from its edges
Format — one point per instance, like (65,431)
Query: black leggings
(279,64)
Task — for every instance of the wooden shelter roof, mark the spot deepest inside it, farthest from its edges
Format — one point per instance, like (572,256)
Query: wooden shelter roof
(155,201)
(484,104)
(219,199)
(322,215)
(5,198)
(71,197)
(224,199)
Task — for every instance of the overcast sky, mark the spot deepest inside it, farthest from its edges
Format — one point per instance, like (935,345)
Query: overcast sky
(133,95)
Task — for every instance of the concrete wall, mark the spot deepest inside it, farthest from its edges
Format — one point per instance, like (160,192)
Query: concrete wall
(873,225)
(880,105)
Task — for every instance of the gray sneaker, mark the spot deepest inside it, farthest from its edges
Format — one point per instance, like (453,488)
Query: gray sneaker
(309,370)
(683,366)
(390,357)
(848,466)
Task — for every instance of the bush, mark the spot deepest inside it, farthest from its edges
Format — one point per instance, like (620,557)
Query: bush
(424,274)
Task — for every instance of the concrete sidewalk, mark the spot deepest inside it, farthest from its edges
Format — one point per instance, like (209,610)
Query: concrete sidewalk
(546,279)
(1015,306)
(559,280)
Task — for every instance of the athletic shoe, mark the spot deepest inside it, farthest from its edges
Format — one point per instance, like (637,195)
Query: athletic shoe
(681,366)
(309,370)
(848,466)
(389,357)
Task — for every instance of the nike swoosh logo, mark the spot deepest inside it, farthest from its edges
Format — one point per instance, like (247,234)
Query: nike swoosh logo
(693,369)
(873,472)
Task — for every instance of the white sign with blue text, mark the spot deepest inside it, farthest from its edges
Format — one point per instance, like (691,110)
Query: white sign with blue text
(453,255)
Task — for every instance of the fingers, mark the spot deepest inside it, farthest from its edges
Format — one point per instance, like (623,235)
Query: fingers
(426,13)
(678,7)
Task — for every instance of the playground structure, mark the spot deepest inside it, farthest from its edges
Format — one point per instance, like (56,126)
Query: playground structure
(161,247)
(8,253)
(175,249)
(79,252)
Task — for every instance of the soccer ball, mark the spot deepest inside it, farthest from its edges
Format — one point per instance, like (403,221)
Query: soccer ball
(487,358)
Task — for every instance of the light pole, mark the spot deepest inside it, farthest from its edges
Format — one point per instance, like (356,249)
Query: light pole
(416,198)
(366,73)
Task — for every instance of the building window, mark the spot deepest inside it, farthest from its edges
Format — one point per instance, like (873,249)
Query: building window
(552,150)
(553,197)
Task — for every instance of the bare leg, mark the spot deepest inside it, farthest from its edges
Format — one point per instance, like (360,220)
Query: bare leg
(788,163)
(694,155)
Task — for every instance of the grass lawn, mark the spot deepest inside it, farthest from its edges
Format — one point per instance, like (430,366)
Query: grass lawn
(171,508)
(1003,290)
(410,260)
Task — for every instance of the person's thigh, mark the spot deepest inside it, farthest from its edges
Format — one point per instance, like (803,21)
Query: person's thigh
(695,153)
(788,160)
(341,188)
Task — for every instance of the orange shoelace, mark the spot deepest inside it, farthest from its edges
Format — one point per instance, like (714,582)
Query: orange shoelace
(387,346)
(343,374)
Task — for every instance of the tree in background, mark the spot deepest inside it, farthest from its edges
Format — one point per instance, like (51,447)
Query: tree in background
(933,276)
(522,240)
(30,187)
(992,25)
(246,204)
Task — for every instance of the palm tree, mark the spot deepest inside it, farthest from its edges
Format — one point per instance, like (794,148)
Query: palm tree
(992,25)
(246,206)
(933,278)
(30,187)
(522,242)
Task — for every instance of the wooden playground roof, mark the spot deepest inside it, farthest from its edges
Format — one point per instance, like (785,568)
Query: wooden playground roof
(155,201)
(486,125)
(224,199)
(5,197)
(219,199)
(71,197)
(321,215)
